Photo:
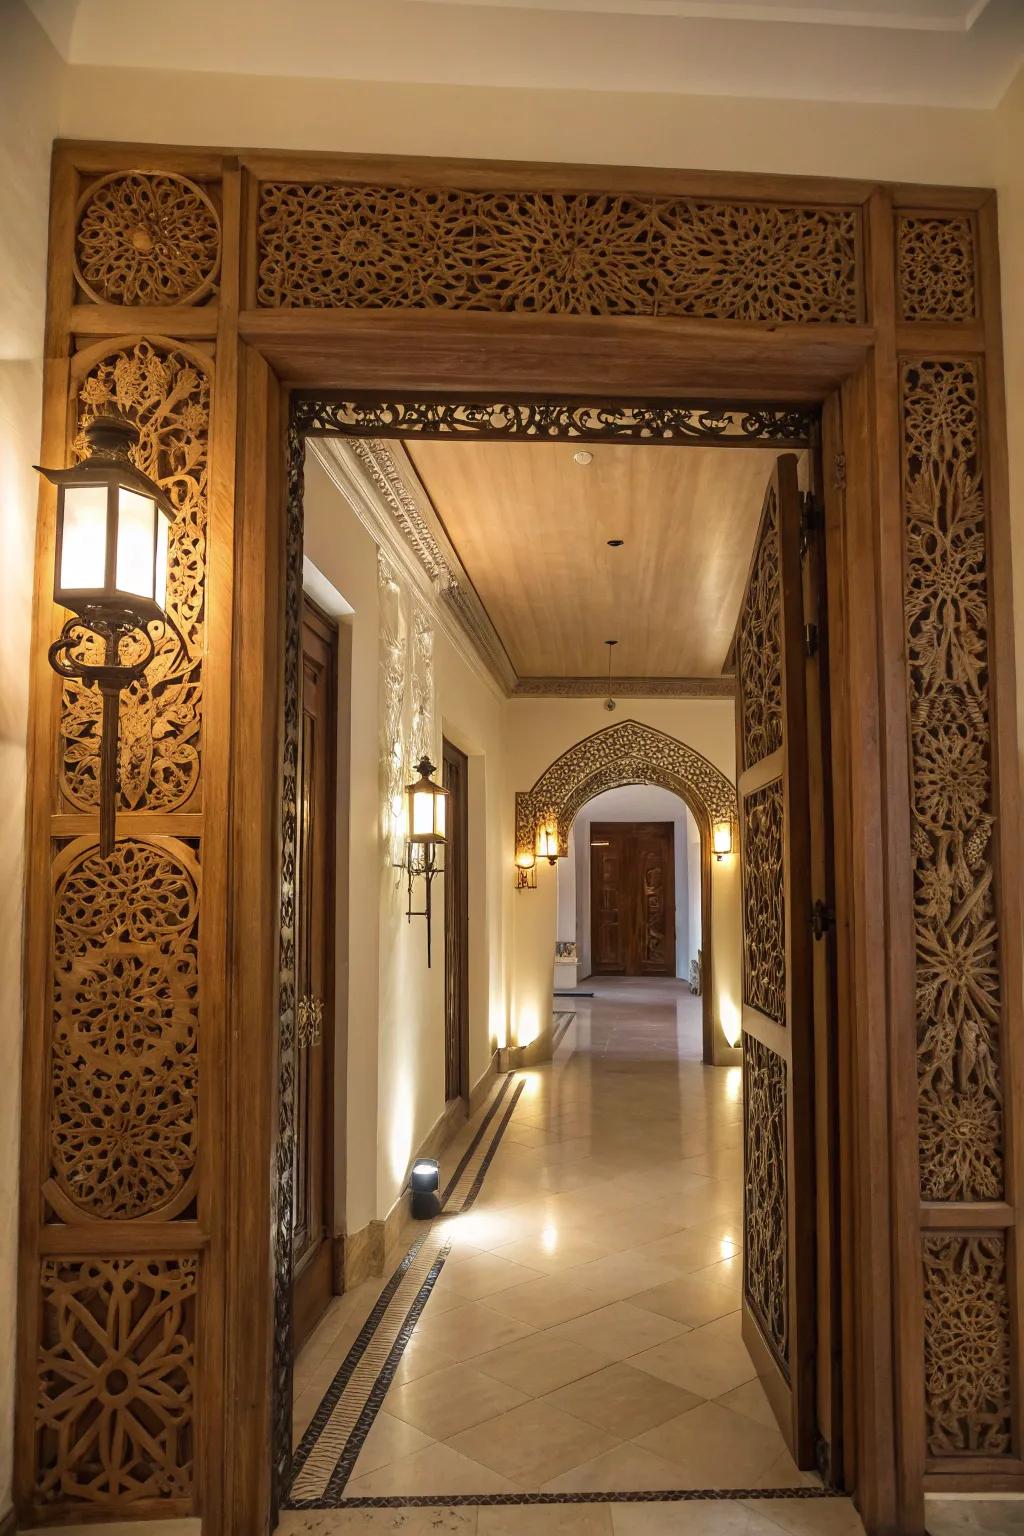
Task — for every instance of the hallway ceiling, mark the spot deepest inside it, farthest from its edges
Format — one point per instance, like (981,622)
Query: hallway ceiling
(530,526)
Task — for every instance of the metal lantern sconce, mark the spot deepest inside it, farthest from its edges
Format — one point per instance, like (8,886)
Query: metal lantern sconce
(110,571)
(526,871)
(547,842)
(427,809)
(721,839)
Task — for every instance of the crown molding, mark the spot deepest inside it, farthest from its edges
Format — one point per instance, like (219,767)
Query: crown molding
(624,688)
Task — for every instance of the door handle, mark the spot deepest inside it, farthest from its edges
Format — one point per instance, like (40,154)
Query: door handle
(309,1022)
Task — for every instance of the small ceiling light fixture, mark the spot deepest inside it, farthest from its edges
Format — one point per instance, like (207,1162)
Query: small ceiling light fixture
(616,543)
(547,842)
(427,806)
(721,839)
(526,870)
(110,570)
(583,456)
(609,702)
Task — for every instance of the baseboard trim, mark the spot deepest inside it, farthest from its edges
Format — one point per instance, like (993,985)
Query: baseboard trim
(481,1089)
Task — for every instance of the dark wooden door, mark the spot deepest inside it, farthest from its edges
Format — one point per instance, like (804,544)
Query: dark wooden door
(778,1072)
(312,1235)
(632,898)
(456,925)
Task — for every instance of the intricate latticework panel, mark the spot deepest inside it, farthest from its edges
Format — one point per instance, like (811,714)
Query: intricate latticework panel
(936,267)
(946,600)
(165,390)
(123,1116)
(765,1227)
(764,910)
(760,646)
(324,245)
(114,1413)
(968,1378)
(145,238)
(628,753)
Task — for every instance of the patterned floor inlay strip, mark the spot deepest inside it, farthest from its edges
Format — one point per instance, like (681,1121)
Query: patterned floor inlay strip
(328,1450)
(640,1496)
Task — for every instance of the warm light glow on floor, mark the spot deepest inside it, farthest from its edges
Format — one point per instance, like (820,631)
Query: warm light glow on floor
(734,1084)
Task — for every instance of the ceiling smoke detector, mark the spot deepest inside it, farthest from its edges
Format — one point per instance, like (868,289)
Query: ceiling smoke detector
(583,457)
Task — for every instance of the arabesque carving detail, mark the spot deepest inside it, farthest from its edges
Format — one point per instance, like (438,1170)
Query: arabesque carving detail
(936,266)
(765,1226)
(759,660)
(764,902)
(967,1374)
(146,238)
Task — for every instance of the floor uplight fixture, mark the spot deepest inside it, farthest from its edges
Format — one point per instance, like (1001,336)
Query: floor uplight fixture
(110,572)
(424,1182)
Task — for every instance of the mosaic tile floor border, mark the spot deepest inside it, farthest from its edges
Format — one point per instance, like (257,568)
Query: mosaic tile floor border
(618,1496)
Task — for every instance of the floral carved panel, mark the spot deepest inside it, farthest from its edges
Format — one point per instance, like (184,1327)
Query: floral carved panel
(326,245)
(968,1377)
(765,1228)
(145,238)
(124,1059)
(764,904)
(116,1381)
(165,390)
(937,279)
(946,604)
(759,661)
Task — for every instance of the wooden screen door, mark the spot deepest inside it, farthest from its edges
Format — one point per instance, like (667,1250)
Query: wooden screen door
(632,898)
(772,770)
(312,1232)
(456,925)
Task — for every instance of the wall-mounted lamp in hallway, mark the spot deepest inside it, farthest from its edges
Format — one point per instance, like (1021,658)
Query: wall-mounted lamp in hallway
(547,842)
(721,839)
(427,805)
(111,556)
(526,871)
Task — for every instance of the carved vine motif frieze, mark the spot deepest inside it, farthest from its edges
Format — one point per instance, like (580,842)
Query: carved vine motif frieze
(759,662)
(627,753)
(114,1415)
(968,1377)
(764,904)
(165,390)
(937,277)
(765,1227)
(394,664)
(946,606)
(124,1049)
(147,238)
(330,245)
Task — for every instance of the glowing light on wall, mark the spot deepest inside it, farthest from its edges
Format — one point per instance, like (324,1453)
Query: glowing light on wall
(734,1084)
(527,1025)
(400,1133)
(729,1015)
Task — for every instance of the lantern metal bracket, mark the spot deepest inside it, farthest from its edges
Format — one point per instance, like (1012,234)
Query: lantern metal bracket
(421,865)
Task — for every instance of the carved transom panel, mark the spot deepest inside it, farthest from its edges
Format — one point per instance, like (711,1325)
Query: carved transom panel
(946,605)
(328,245)
(124,1056)
(759,662)
(146,238)
(627,753)
(936,266)
(765,1226)
(968,1381)
(764,903)
(114,1413)
(165,390)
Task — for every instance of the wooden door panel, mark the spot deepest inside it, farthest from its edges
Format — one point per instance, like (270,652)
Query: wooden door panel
(632,882)
(455,777)
(772,757)
(653,866)
(608,938)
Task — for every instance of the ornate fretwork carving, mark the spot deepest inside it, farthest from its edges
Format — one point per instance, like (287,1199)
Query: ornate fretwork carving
(421,685)
(765,1227)
(114,1413)
(124,1065)
(627,753)
(554,420)
(146,238)
(764,903)
(759,664)
(330,246)
(935,253)
(946,601)
(394,669)
(968,1382)
(165,390)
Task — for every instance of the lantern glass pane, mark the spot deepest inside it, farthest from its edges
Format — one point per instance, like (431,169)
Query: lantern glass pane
(136,543)
(83,551)
(723,837)
(163,539)
(422,813)
(439,804)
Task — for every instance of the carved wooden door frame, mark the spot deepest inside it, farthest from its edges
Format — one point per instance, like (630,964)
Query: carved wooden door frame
(885,295)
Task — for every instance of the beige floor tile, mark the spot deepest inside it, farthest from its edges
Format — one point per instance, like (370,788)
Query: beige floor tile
(714,1448)
(751,1401)
(432,1521)
(620,1330)
(551,1249)
(623,1400)
(389,1440)
(550,1300)
(690,1299)
(717,1517)
(446,1401)
(828,1517)
(622,1275)
(419,1359)
(625,1468)
(700,1361)
(439,1469)
(484,1274)
(971,1517)
(545,1520)
(539,1364)
(532,1444)
(469,1330)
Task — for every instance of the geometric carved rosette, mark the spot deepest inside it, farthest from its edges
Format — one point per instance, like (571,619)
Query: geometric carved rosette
(946,606)
(936,267)
(325,245)
(114,1418)
(764,904)
(759,657)
(968,1376)
(164,388)
(124,1054)
(146,239)
(765,1226)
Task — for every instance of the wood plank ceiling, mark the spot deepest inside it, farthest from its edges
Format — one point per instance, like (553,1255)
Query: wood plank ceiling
(531,526)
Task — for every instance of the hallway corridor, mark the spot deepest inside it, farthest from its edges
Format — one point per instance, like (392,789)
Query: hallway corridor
(582,1335)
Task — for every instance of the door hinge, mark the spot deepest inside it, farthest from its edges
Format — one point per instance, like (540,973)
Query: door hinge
(823,919)
(810,639)
(810,520)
